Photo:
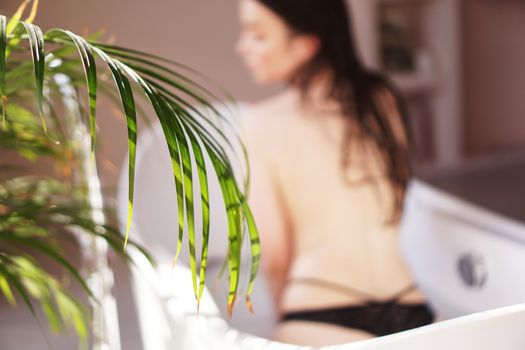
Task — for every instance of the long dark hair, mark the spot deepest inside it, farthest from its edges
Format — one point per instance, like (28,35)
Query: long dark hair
(360,92)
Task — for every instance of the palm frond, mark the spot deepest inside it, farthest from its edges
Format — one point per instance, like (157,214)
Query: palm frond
(191,135)
(36,41)
(59,306)
(34,213)
(17,16)
(90,69)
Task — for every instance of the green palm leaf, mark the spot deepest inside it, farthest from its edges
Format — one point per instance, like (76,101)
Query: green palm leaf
(12,279)
(17,16)
(234,228)
(233,198)
(164,77)
(58,305)
(128,102)
(36,41)
(181,163)
(142,63)
(90,69)
(191,134)
(255,249)
(172,142)
(188,195)
(6,290)
(149,60)
(51,252)
(205,208)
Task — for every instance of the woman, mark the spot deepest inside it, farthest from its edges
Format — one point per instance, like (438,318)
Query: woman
(330,165)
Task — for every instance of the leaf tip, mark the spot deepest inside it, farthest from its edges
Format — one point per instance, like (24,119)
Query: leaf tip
(44,125)
(249,305)
(124,250)
(230,307)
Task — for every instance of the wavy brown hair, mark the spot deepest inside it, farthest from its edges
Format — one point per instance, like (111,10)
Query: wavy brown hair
(368,100)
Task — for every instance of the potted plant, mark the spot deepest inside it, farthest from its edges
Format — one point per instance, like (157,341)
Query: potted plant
(42,78)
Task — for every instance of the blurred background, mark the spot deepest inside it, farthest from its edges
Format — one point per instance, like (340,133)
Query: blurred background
(458,63)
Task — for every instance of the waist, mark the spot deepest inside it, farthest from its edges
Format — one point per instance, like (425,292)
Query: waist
(314,293)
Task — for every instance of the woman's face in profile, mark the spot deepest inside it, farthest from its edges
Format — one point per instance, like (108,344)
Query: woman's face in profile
(268,47)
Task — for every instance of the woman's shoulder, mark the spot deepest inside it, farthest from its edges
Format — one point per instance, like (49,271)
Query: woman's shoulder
(275,106)
(267,115)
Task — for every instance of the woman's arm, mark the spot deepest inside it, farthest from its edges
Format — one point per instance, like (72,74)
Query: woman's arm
(266,202)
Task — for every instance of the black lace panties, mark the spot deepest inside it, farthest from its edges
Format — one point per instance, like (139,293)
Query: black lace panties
(377,318)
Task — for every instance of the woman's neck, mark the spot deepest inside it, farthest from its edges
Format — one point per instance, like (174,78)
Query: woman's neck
(317,95)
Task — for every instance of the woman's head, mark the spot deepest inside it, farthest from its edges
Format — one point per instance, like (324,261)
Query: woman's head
(295,41)
(271,49)
(292,41)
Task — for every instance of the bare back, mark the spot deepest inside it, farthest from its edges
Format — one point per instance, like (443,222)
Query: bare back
(316,220)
